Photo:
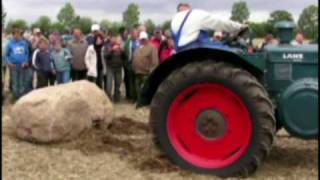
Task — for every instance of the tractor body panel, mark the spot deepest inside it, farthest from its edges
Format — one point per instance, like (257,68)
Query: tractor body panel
(291,78)
(286,64)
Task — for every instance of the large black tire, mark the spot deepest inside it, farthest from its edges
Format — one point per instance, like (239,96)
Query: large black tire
(238,80)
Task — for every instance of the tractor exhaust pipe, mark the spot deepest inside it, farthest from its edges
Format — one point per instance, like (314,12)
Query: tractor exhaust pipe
(285,31)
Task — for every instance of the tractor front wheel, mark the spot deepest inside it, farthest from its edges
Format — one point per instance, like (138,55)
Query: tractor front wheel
(210,117)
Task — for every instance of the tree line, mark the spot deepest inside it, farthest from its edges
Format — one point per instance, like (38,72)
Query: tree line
(68,18)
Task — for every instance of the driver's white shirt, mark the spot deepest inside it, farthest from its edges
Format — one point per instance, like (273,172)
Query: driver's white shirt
(199,20)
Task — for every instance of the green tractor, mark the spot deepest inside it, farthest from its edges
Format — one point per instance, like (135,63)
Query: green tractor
(217,110)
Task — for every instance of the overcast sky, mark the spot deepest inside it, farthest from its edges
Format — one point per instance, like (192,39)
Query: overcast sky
(158,10)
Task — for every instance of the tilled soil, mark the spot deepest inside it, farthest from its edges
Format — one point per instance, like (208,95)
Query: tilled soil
(125,151)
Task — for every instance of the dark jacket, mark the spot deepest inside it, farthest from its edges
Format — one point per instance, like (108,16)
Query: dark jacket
(43,61)
(114,59)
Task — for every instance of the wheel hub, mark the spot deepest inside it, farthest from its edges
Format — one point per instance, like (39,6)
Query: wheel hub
(211,124)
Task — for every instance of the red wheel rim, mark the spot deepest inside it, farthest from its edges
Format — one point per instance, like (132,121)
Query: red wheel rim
(184,134)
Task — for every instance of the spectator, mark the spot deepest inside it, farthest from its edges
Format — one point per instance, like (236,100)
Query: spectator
(78,48)
(43,64)
(35,45)
(16,56)
(145,60)
(66,37)
(27,37)
(114,57)
(131,45)
(106,41)
(36,38)
(157,39)
(167,34)
(142,28)
(53,39)
(104,33)
(167,50)
(268,39)
(4,43)
(94,61)
(124,34)
(299,40)
(62,63)
(95,28)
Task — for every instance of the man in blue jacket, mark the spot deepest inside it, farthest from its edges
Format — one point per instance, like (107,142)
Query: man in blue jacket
(17,56)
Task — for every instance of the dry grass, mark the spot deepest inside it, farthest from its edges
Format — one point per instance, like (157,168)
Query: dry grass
(126,151)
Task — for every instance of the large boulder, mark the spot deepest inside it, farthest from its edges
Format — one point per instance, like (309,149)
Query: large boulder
(60,113)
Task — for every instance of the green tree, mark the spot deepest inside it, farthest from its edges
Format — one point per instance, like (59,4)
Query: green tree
(84,23)
(259,30)
(44,23)
(18,23)
(166,25)
(240,12)
(115,27)
(4,14)
(150,25)
(67,15)
(105,24)
(57,26)
(279,15)
(308,21)
(131,15)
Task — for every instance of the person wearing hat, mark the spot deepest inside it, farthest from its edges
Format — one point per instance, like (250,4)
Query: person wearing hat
(144,62)
(36,38)
(17,58)
(95,29)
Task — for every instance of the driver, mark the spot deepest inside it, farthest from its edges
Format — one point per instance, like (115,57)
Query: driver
(190,26)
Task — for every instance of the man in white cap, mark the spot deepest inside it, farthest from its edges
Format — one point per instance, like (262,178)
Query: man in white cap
(190,27)
(144,61)
(95,29)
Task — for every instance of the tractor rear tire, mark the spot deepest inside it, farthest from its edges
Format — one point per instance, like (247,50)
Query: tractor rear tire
(211,117)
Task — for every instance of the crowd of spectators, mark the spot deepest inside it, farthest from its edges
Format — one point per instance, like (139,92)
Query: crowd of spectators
(105,58)
(102,57)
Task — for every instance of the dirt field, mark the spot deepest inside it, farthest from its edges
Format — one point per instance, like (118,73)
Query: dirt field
(125,151)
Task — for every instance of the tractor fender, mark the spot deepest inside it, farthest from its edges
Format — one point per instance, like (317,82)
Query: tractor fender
(182,58)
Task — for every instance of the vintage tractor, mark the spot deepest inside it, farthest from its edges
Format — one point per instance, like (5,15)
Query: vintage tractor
(217,110)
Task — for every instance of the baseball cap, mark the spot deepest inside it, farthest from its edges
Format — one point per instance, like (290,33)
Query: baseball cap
(143,35)
(95,27)
(36,30)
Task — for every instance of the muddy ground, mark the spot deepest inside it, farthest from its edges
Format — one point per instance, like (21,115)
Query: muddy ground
(126,151)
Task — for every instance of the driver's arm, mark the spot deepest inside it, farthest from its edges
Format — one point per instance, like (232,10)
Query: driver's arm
(211,22)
